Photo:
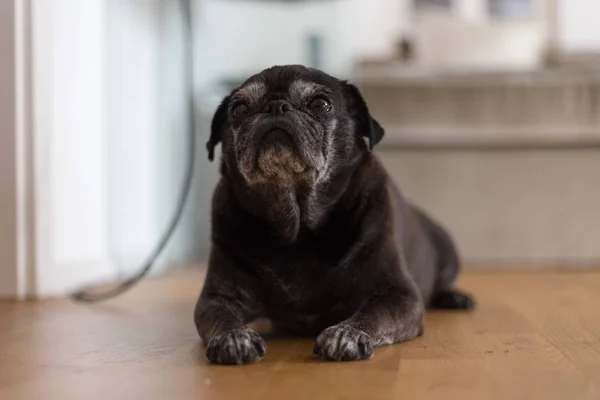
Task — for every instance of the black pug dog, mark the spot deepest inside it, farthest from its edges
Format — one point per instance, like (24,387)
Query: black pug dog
(309,231)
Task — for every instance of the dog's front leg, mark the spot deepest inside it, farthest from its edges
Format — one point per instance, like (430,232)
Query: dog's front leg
(394,312)
(394,316)
(222,312)
(221,324)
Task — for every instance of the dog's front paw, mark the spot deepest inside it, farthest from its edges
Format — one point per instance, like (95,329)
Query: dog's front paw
(237,346)
(343,343)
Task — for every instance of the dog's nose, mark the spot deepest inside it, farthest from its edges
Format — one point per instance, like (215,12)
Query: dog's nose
(277,107)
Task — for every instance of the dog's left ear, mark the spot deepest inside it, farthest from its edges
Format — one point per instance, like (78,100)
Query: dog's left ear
(368,128)
(217,127)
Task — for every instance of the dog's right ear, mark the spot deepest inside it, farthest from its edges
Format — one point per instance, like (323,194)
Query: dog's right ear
(217,127)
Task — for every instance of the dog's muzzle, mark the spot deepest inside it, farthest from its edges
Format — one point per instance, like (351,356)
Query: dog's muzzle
(276,137)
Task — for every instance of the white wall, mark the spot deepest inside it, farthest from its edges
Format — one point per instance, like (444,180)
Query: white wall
(70,114)
(240,38)
(148,139)
(53,145)
(578,25)
(78,130)
(132,135)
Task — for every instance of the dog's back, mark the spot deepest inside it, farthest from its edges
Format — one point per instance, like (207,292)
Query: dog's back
(430,252)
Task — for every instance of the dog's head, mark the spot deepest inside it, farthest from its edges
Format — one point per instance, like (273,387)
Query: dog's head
(291,124)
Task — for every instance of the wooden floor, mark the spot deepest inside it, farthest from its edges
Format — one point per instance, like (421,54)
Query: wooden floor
(534,336)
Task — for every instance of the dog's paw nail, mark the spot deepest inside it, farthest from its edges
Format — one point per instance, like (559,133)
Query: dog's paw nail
(343,343)
(237,346)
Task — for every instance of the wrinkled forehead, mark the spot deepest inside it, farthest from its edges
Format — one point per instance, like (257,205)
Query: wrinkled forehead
(295,86)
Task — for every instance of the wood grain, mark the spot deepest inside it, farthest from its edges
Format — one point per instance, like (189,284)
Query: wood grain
(534,336)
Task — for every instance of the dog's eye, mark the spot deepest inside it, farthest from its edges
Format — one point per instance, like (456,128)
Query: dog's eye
(240,109)
(320,105)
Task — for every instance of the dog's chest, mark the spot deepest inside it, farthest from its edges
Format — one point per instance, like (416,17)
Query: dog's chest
(294,280)
(307,282)
(302,292)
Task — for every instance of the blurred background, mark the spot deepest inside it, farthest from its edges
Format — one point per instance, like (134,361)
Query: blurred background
(491,110)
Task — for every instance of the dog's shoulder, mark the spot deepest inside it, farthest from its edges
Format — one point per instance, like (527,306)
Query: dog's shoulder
(370,188)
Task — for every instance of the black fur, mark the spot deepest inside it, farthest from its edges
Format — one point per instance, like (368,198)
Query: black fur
(308,229)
